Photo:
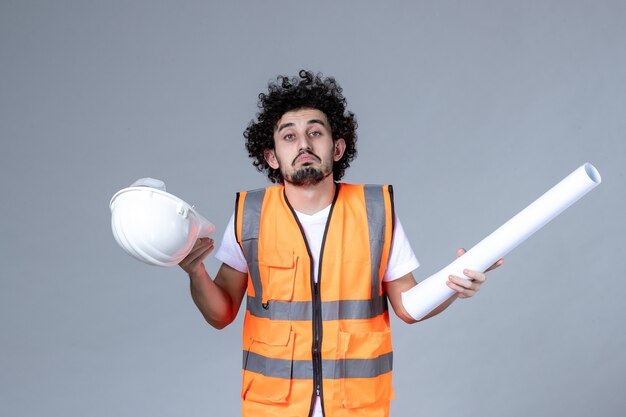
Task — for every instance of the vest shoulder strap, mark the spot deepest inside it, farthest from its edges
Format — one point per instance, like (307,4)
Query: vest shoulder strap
(248,214)
(379,204)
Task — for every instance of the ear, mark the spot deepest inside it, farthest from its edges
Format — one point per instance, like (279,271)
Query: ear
(340,148)
(270,158)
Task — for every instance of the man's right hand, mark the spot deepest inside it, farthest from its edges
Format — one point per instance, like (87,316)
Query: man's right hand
(192,263)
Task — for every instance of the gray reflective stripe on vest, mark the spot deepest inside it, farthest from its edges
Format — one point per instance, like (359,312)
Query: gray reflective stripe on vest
(331,310)
(376,221)
(250,225)
(331,369)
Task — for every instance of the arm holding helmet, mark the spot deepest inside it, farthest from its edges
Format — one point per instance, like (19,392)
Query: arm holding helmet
(218,300)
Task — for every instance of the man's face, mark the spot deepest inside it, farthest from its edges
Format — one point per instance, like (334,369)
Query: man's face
(304,150)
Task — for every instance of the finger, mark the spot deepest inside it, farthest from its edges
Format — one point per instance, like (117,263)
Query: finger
(203,241)
(200,245)
(465,287)
(460,252)
(475,276)
(498,263)
(461,291)
(191,263)
(202,252)
(201,256)
(461,282)
(198,251)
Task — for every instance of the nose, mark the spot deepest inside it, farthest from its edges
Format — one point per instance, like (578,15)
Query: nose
(303,142)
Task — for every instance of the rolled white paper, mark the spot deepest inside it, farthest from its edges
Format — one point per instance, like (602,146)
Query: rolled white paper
(431,292)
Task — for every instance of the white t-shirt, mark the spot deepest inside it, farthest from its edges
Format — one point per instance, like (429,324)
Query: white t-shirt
(401,261)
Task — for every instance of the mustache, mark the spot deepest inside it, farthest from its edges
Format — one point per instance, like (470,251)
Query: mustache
(305,151)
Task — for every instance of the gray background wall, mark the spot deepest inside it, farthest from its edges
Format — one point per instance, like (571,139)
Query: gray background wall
(471,109)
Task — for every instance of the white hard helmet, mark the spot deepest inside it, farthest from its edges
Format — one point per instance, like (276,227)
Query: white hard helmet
(154,226)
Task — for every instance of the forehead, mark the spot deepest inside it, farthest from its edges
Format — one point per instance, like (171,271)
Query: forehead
(302,116)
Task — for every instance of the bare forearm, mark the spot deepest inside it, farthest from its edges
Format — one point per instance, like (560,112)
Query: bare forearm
(213,302)
(218,300)
(394,291)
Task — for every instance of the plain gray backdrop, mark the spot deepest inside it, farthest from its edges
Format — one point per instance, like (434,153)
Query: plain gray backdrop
(470,109)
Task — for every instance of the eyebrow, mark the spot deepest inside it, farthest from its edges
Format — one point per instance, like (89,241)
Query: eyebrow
(310,122)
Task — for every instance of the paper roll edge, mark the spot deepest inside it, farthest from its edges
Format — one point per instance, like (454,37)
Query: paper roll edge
(592,173)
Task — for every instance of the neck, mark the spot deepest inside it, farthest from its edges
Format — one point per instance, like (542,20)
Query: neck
(309,199)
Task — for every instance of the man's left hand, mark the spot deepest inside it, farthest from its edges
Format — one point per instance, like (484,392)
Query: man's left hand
(467,287)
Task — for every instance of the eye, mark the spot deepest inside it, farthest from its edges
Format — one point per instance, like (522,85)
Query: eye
(315,133)
(289,137)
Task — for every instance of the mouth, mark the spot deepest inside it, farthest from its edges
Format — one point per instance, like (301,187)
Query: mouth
(306,157)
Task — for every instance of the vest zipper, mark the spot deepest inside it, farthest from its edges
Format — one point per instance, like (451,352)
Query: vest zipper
(316,348)
(317,343)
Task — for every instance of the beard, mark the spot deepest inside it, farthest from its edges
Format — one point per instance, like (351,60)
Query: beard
(306,176)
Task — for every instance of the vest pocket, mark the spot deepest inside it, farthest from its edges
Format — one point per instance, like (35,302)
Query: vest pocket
(278,273)
(268,364)
(365,362)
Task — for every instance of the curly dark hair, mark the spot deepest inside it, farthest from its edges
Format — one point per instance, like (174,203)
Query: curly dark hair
(308,90)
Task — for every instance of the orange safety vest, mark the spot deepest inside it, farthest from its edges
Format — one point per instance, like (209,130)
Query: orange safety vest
(331,338)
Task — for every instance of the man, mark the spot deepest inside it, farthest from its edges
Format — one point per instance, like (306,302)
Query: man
(318,259)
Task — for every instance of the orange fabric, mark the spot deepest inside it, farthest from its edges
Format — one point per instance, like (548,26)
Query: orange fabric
(345,274)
